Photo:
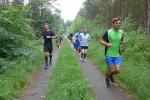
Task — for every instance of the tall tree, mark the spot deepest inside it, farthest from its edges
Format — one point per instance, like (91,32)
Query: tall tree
(148,21)
(5,2)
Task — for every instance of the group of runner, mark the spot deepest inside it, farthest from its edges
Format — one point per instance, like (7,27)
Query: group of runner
(112,40)
(80,43)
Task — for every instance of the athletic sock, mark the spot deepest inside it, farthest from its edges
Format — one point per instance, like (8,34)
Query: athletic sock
(46,60)
(50,60)
(85,55)
(82,55)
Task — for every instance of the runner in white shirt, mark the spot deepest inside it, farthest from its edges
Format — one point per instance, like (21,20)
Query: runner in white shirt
(84,38)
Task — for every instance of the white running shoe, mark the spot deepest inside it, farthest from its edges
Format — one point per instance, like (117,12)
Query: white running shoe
(85,59)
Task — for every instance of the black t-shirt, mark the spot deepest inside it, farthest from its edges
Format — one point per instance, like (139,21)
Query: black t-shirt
(48,40)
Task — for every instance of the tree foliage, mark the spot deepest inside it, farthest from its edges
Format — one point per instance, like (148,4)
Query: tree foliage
(20,23)
(105,10)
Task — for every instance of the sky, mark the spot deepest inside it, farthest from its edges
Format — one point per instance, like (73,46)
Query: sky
(69,8)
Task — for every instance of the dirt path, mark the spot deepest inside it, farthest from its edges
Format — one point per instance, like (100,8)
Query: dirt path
(96,79)
(38,87)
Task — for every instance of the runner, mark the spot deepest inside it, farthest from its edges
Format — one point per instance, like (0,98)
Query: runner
(71,37)
(58,39)
(112,40)
(61,37)
(48,35)
(84,38)
(77,42)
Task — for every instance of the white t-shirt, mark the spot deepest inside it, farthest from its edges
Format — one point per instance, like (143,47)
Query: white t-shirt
(84,38)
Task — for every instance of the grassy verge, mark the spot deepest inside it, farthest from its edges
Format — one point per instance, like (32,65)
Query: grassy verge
(16,73)
(134,75)
(68,82)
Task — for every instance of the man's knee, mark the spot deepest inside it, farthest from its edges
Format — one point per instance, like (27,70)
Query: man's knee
(117,68)
(117,71)
(46,54)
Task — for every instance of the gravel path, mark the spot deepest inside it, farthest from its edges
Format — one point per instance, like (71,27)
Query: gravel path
(38,86)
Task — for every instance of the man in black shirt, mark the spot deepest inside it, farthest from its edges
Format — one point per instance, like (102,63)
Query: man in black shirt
(48,35)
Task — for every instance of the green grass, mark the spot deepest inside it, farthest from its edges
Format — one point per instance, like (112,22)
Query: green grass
(16,74)
(134,76)
(68,82)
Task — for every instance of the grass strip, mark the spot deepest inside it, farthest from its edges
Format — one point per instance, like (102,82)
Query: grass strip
(68,82)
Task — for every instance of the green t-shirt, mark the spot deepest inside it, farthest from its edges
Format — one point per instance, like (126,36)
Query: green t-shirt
(57,38)
(115,38)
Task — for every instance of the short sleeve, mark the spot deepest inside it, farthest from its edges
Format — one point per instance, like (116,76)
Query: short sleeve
(89,37)
(122,37)
(52,33)
(105,36)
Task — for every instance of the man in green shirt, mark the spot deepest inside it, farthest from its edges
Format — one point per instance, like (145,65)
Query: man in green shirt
(58,39)
(112,40)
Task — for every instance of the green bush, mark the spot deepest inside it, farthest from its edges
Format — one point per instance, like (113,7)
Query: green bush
(14,73)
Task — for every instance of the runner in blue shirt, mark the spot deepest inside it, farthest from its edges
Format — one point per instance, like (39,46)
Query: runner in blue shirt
(77,42)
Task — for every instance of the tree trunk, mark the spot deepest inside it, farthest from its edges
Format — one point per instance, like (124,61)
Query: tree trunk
(21,2)
(148,19)
(5,2)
